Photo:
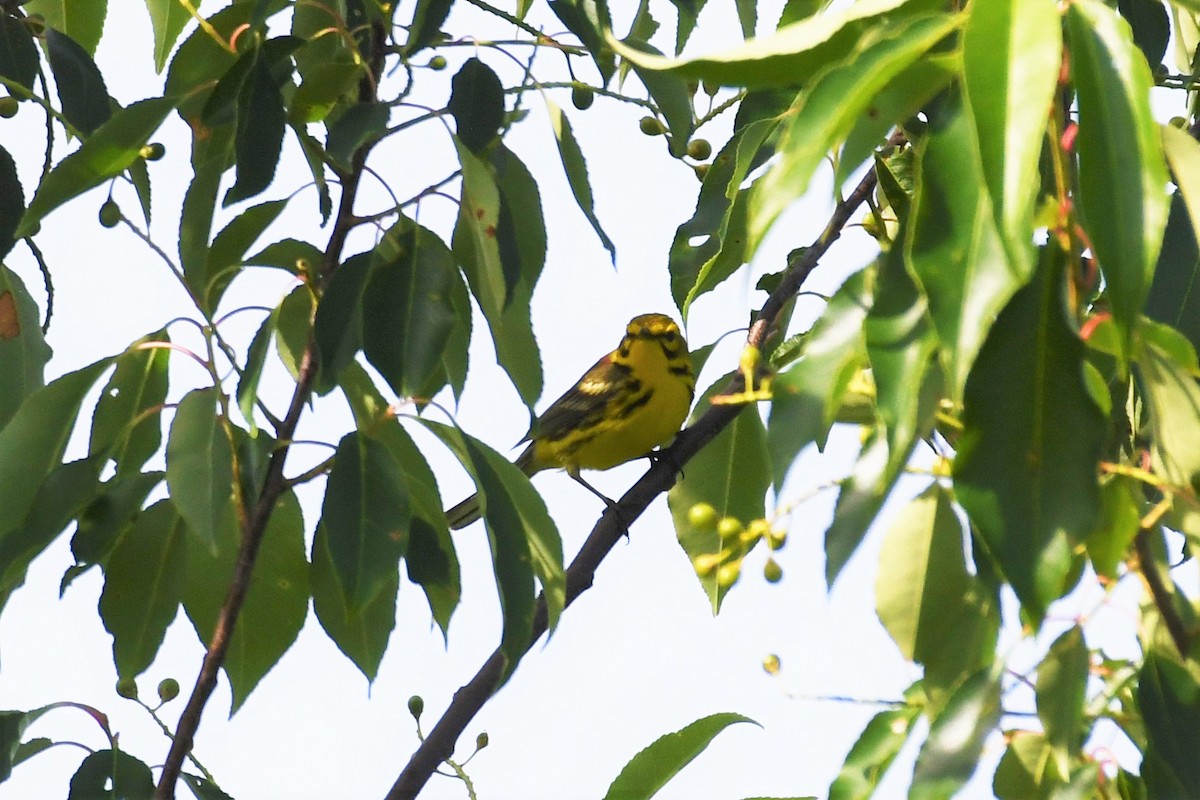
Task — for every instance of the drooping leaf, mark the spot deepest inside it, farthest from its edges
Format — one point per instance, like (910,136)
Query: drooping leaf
(1122,175)
(211,157)
(653,767)
(577,176)
(126,425)
(732,475)
(256,359)
(18,53)
(81,89)
(1061,691)
(338,325)
(950,754)
(200,467)
(367,514)
(276,603)
(169,18)
(521,230)
(143,585)
(23,348)
(427,19)
(1026,464)
(589,20)
(106,154)
(261,121)
(477,104)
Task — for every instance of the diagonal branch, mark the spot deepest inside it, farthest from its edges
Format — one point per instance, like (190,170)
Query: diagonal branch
(468,700)
(274,483)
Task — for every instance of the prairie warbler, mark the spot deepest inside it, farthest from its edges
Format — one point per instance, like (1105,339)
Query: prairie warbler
(633,400)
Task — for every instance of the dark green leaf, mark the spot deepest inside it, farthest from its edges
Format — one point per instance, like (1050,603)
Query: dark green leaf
(1026,465)
(116,505)
(23,348)
(1169,699)
(732,475)
(261,121)
(951,753)
(360,125)
(18,53)
(211,157)
(203,788)
(32,443)
(81,88)
(139,176)
(954,249)
(1151,27)
(589,20)
(427,20)
(83,22)
(126,426)
(12,203)
(111,774)
(576,169)
(523,539)
(228,249)
(200,467)
(407,314)
(1122,176)
(143,584)
(367,514)
(293,255)
(360,633)
(1175,292)
(314,154)
(294,325)
(338,325)
(276,603)
(1061,690)
(874,751)
(432,562)
(256,359)
(477,104)
(324,86)
(925,596)
(106,154)
(652,768)
(521,230)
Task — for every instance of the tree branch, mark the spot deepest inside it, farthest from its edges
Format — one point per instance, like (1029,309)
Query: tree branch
(1162,595)
(274,483)
(468,700)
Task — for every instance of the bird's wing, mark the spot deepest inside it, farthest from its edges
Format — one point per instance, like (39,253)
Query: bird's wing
(584,404)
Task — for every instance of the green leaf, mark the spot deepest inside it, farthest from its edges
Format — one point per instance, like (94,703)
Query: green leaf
(590,21)
(731,473)
(477,104)
(431,559)
(577,176)
(807,396)
(106,154)
(338,324)
(314,155)
(874,751)
(1026,771)
(169,18)
(18,53)
(23,348)
(954,249)
(671,95)
(126,425)
(1172,398)
(81,89)
(1032,436)
(367,513)
(521,231)
(1175,292)
(228,249)
(1061,691)
(360,125)
(292,255)
(1116,525)
(951,753)
(203,788)
(1012,54)
(1151,27)
(256,359)
(83,22)
(795,52)
(294,325)
(201,61)
(105,518)
(324,86)
(139,176)
(652,768)
(360,633)
(276,603)
(925,597)
(1122,177)
(12,205)
(200,467)
(32,443)
(523,539)
(261,121)
(826,111)
(111,773)
(211,157)
(427,20)
(1169,699)
(143,584)
(407,313)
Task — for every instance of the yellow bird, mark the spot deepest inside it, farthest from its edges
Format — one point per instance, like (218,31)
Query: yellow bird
(630,402)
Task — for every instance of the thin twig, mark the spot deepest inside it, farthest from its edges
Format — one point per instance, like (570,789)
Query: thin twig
(611,528)
(1163,597)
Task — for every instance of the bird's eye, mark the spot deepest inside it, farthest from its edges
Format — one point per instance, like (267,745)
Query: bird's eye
(670,336)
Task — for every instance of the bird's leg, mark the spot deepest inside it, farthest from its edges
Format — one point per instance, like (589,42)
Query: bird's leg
(613,507)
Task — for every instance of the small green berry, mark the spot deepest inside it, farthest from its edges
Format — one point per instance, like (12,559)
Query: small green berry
(437,63)
(110,213)
(9,107)
(702,516)
(710,87)
(153,151)
(582,96)
(771,664)
(127,688)
(729,528)
(651,126)
(168,689)
(481,741)
(772,571)
(699,149)
(728,574)
(416,704)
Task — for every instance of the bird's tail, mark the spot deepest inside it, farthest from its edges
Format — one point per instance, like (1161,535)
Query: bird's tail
(466,512)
